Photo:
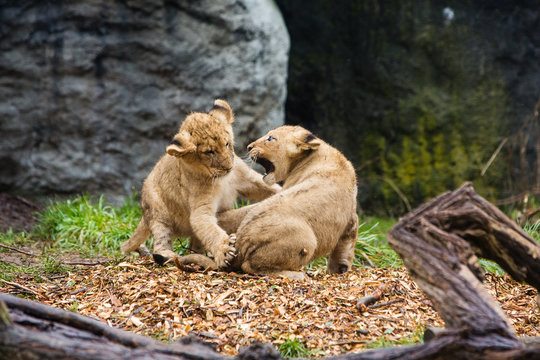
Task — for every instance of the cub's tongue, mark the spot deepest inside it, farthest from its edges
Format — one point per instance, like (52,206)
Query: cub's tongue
(267,164)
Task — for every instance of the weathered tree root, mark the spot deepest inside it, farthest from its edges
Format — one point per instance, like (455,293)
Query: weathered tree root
(439,243)
(32,330)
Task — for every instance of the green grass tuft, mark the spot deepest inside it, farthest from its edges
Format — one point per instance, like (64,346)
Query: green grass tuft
(386,340)
(533,230)
(293,349)
(89,227)
(53,267)
(372,247)
(10,238)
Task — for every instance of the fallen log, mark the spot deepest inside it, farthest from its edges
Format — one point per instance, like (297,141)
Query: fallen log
(439,242)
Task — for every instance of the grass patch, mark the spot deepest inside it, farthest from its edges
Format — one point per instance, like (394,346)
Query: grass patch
(53,267)
(294,348)
(387,340)
(80,226)
(36,272)
(91,228)
(372,247)
(533,230)
(10,238)
(8,271)
(491,267)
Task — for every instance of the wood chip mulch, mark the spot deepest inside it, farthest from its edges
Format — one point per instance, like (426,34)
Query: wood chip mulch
(235,310)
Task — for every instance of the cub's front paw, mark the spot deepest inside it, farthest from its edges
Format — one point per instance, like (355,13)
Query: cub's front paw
(227,253)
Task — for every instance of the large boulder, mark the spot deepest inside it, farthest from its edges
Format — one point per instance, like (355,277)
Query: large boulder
(92,90)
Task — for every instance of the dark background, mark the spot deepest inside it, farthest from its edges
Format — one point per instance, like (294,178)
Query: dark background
(417,98)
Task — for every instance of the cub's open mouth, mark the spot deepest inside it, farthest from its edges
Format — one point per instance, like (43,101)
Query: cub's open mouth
(267,164)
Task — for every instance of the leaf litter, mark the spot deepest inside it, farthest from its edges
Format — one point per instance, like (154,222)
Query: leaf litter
(235,310)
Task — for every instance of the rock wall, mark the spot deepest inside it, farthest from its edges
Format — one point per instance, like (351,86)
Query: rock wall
(92,90)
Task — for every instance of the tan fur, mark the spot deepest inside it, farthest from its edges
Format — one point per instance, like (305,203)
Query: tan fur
(314,215)
(197,177)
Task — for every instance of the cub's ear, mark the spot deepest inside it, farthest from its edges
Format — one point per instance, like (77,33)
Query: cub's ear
(180,145)
(308,142)
(222,111)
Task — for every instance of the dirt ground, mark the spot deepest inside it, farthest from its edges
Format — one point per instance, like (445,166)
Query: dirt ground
(16,212)
(234,310)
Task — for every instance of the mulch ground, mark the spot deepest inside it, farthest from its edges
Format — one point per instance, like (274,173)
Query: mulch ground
(235,310)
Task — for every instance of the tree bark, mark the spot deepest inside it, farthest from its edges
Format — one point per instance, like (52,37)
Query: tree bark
(440,243)
(36,331)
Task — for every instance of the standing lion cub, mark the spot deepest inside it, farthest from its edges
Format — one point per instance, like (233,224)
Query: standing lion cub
(313,215)
(197,177)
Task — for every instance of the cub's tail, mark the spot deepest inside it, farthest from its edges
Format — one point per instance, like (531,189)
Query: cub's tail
(185,262)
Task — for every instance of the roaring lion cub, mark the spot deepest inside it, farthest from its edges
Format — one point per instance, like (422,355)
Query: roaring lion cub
(198,176)
(313,215)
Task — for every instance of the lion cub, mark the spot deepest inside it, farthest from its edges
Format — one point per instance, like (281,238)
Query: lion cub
(313,215)
(198,176)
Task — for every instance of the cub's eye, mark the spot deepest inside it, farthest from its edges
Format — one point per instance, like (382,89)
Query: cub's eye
(209,152)
(270,138)
(227,145)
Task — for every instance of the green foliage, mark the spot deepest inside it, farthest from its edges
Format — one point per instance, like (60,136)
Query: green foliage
(11,238)
(7,271)
(181,246)
(372,247)
(491,267)
(36,271)
(74,306)
(533,230)
(53,266)
(241,203)
(410,100)
(90,227)
(293,348)
(387,339)
(438,153)
(94,228)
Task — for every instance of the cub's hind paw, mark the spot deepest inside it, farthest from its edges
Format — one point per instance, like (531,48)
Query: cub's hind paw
(342,268)
(160,259)
(163,257)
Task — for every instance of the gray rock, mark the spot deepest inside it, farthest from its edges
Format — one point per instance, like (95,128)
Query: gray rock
(92,90)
